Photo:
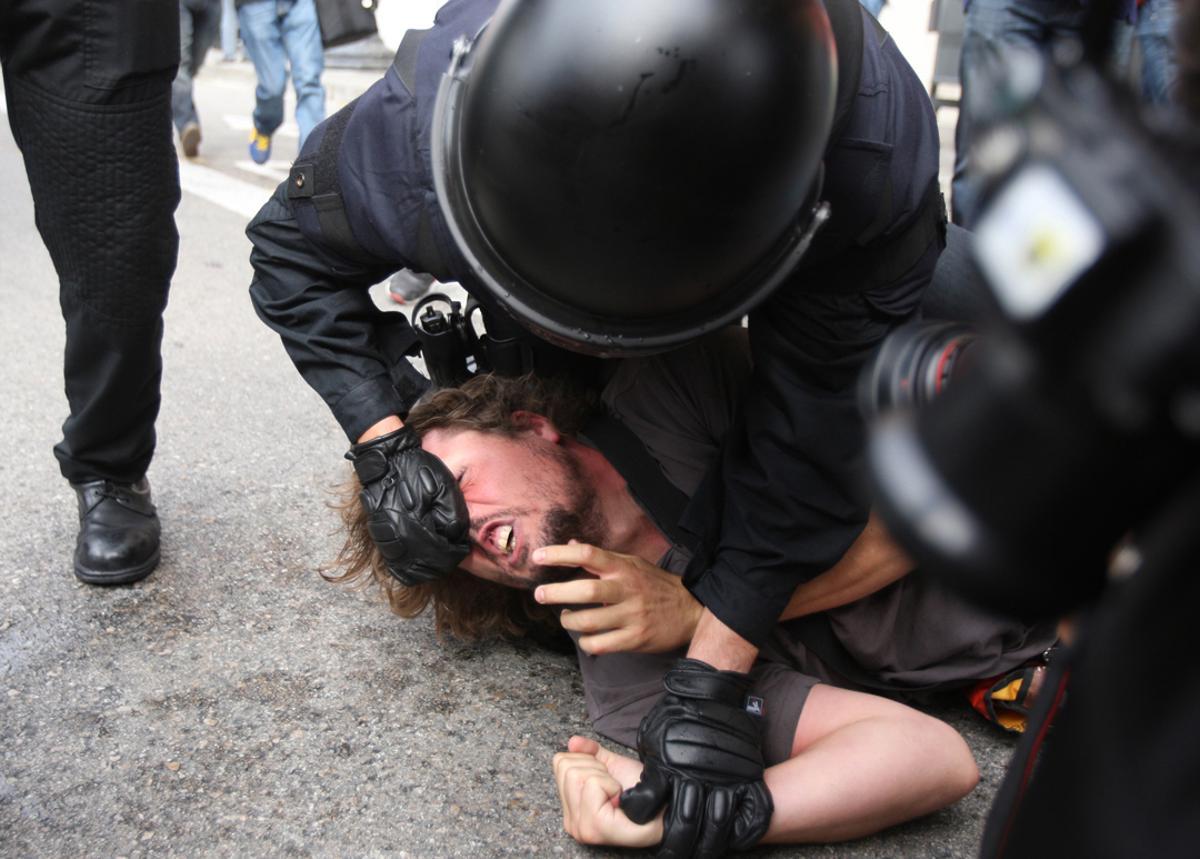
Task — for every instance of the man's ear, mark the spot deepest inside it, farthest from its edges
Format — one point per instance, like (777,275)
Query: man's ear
(539,425)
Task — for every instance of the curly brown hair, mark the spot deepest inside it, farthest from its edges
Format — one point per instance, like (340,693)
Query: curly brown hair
(464,606)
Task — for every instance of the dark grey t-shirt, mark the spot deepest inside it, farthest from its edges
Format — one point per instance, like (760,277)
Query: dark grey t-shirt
(912,634)
(680,404)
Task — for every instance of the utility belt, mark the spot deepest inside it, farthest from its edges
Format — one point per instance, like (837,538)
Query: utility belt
(455,348)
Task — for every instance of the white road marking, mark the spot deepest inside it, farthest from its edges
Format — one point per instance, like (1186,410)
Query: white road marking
(278,174)
(241,198)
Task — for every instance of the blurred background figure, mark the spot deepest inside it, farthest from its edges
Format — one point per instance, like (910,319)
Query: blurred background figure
(1155,68)
(229,32)
(991,28)
(89,103)
(282,36)
(873,6)
(199,21)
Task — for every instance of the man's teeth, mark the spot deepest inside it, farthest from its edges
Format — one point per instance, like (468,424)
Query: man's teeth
(504,538)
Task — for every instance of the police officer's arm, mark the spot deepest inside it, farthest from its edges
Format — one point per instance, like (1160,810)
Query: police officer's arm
(791,470)
(355,357)
(351,353)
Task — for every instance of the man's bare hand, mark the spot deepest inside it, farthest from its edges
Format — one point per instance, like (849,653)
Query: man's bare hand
(590,779)
(641,607)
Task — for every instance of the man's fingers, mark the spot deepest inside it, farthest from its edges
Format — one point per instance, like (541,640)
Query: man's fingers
(610,641)
(607,757)
(591,558)
(598,789)
(558,784)
(564,761)
(582,745)
(598,822)
(573,774)
(593,620)
(569,770)
(580,592)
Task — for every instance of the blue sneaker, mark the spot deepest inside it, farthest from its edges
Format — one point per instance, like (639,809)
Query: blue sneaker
(260,147)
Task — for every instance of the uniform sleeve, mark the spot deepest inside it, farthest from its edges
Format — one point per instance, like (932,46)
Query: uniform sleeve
(354,355)
(789,497)
(792,487)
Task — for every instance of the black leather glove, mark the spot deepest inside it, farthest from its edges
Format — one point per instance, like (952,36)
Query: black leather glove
(701,749)
(416,513)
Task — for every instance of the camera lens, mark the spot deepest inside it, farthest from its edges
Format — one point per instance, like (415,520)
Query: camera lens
(913,365)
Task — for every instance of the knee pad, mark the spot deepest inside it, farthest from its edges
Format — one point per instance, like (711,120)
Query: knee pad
(105,185)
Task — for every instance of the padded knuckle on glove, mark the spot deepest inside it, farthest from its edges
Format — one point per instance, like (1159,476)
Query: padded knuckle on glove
(717,829)
(430,487)
(697,753)
(752,816)
(682,821)
(387,540)
(406,497)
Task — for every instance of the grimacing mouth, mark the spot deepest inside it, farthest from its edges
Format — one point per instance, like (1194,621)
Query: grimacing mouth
(499,537)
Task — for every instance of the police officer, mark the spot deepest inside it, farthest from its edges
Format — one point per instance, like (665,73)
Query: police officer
(622,177)
(89,102)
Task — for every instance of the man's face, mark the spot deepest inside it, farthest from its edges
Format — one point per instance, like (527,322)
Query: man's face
(522,493)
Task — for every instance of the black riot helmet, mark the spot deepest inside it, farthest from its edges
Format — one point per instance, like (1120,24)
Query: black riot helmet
(625,175)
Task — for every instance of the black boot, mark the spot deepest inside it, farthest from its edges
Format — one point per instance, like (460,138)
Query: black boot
(118,532)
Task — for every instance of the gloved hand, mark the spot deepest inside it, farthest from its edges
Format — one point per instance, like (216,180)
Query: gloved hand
(415,512)
(702,752)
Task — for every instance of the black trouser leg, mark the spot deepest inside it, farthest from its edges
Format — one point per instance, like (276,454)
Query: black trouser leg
(89,105)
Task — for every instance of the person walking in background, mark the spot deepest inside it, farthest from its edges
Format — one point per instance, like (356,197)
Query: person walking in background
(873,6)
(279,34)
(198,23)
(89,103)
(229,31)
(991,27)
(1156,70)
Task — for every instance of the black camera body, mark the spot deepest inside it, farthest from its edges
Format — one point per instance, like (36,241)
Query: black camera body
(1082,413)
(1075,429)
(454,350)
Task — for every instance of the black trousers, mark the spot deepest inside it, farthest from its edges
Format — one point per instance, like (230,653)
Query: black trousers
(88,85)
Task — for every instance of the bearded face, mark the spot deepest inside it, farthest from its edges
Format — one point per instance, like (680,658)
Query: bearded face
(523,492)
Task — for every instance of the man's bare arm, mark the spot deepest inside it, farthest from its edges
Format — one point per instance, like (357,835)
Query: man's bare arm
(721,647)
(871,563)
(648,610)
(839,783)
